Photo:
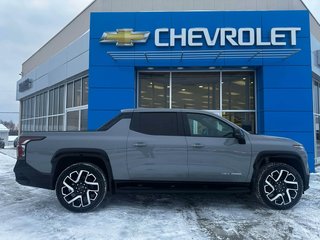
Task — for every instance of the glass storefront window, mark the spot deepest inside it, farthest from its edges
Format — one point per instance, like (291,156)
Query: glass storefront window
(228,93)
(238,91)
(85,91)
(77,93)
(245,120)
(73,121)
(154,90)
(196,90)
(47,111)
(70,95)
(84,120)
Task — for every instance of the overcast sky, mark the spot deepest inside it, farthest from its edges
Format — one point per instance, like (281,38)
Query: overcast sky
(26,25)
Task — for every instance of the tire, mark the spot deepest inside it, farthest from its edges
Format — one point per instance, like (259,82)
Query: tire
(81,187)
(278,186)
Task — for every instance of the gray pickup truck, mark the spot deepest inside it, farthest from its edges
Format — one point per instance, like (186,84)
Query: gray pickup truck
(162,150)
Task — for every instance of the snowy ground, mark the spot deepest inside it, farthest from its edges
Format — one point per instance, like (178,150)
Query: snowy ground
(31,213)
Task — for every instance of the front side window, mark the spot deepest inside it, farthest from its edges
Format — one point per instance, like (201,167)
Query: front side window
(201,125)
(159,123)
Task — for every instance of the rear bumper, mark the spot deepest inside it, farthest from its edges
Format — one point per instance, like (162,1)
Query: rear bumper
(27,175)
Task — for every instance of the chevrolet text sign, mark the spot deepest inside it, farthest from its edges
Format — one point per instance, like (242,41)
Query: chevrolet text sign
(236,37)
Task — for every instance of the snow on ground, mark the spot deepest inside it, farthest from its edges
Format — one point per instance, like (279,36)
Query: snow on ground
(31,213)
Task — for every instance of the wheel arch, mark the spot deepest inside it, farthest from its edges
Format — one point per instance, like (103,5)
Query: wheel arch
(66,157)
(289,158)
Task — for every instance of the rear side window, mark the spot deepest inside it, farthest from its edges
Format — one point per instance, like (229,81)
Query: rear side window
(159,123)
(108,125)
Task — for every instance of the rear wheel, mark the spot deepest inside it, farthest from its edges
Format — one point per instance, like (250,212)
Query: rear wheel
(81,187)
(279,186)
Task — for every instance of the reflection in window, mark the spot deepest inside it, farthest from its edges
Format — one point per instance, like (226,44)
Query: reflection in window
(196,90)
(85,91)
(73,121)
(70,95)
(154,90)
(77,93)
(201,125)
(46,111)
(245,120)
(238,91)
(84,120)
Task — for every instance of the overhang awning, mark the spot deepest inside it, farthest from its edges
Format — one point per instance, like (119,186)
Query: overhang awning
(203,54)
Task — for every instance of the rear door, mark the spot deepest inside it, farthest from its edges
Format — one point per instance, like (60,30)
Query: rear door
(157,147)
(213,153)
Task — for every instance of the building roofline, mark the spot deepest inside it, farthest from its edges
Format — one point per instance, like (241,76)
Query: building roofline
(61,30)
(310,12)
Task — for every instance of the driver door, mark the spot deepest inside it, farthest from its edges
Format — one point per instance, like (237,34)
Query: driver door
(214,155)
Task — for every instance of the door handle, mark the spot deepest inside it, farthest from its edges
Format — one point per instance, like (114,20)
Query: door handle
(140,144)
(197,145)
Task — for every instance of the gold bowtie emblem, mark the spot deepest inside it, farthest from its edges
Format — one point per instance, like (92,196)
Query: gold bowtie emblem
(124,37)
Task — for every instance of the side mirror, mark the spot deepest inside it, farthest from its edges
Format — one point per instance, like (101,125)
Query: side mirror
(238,134)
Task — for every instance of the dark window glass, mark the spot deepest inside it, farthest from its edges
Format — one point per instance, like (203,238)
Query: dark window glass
(50,124)
(60,123)
(114,120)
(238,91)
(61,99)
(73,121)
(23,110)
(202,125)
(85,91)
(55,123)
(77,93)
(70,95)
(242,119)
(33,100)
(44,124)
(156,123)
(37,106)
(51,102)
(84,120)
(45,107)
(41,105)
(154,90)
(56,101)
(196,90)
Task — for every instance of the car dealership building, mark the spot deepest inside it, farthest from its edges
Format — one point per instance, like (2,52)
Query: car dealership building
(254,62)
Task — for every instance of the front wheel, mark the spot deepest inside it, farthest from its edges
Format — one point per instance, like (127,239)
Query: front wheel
(81,187)
(279,186)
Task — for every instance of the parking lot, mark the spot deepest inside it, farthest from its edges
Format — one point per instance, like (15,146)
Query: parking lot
(31,213)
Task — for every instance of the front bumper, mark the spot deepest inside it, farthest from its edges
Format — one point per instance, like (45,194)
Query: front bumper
(27,175)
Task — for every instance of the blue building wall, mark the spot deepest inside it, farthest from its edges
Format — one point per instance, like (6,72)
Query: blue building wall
(284,85)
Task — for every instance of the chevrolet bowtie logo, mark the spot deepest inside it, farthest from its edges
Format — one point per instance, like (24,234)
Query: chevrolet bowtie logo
(124,37)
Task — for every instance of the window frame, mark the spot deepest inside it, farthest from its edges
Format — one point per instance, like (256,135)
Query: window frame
(134,125)
(188,130)
(219,111)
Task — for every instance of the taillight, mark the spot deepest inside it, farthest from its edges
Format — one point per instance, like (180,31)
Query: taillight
(22,144)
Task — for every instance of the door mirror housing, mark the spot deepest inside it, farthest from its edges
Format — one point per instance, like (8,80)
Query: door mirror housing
(239,135)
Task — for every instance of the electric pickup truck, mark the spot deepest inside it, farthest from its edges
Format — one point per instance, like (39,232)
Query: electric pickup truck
(162,150)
